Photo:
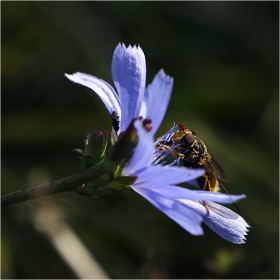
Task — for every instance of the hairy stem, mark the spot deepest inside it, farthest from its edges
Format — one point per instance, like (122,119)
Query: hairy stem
(61,185)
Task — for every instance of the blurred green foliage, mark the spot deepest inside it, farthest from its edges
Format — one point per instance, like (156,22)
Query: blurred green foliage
(224,57)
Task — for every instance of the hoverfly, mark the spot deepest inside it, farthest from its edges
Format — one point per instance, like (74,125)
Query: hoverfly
(194,154)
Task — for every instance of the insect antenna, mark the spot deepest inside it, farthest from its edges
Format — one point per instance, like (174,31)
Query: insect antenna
(228,193)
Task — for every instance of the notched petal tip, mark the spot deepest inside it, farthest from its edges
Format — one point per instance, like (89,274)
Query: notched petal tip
(69,75)
(137,47)
(162,74)
(130,47)
(74,77)
(247,229)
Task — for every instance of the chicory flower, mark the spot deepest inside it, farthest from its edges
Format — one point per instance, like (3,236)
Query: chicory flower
(156,182)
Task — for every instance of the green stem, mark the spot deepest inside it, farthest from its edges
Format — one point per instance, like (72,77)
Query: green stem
(61,185)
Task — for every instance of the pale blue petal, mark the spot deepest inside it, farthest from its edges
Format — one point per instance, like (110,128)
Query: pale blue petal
(144,107)
(143,153)
(175,192)
(159,176)
(129,75)
(186,218)
(107,94)
(221,220)
(156,99)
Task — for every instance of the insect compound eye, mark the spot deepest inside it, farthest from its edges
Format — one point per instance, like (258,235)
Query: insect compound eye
(187,140)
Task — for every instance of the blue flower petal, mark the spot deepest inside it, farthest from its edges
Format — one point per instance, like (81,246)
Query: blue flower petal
(129,75)
(158,176)
(186,218)
(221,220)
(175,192)
(107,94)
(143,153)
(156,99)
(160,180)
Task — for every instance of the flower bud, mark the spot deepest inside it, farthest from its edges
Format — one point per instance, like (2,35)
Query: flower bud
(96,143)
(95,148)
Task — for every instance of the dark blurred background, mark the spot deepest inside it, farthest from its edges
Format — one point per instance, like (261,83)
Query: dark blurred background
(224,57)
